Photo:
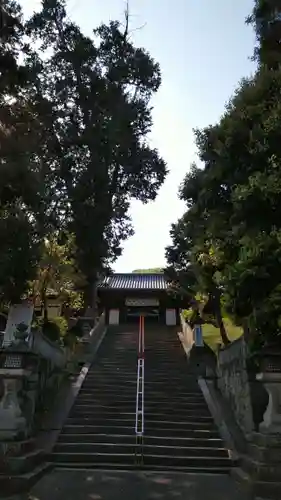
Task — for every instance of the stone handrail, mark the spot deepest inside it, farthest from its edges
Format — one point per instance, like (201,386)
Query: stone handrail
(31,372)
(98,327)
(234,384)
(190,336)
(186,335)
(41,345)
(92,338)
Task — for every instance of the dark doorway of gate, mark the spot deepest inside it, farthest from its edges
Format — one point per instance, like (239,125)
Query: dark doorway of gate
(151,314)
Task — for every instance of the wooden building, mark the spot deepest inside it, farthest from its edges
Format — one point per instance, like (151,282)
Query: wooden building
(125,297)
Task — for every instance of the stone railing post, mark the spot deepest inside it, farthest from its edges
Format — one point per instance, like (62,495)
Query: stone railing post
(233,383)
(15,368)
(272,417)
(262,467)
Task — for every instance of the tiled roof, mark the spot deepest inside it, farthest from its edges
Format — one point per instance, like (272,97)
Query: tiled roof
(134,281)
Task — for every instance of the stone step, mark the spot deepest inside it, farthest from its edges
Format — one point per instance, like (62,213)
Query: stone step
(97,438)
(14,484)
(192,405)
(186,461)
(94,458)
(23,463)
(108,401)
(19,446)
(105,413)
(171,424)
(202,441)
(174,416)
(189,422)
(109,389)
(90,405)
(132,448)
(174,398)
(141,467)
(99,420)
(86,427)
(114,374)
(177,417)
(179,431)
(103,398)
(92,428)
(148,460)
(108,379)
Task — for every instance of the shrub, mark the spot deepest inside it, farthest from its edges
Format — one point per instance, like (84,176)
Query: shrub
(77,330)
(191,316)
(54,329)
(187,314)
(69,340)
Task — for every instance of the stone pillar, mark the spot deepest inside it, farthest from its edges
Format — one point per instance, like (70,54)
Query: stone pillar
(261,469)
(12,374)
(272,416)
(18,313)
(12,422)
(114,317)
(171,319)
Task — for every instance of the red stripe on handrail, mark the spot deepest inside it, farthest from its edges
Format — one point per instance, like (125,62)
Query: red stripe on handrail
(141,338)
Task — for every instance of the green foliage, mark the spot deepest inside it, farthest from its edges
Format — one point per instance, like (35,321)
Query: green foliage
(191,316)
(70,340)
(74,119)
(77,330)
(24,188)
(54,329)
(194,265)
(266,20)
(212,336)
(57,274)
(99,91)
(229,237)
(61,324)
(19,253)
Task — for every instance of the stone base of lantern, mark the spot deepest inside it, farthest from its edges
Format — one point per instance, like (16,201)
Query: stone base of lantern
(11,426)
(260,471)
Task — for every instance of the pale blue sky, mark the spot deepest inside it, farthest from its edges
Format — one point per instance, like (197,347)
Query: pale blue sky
(203,48)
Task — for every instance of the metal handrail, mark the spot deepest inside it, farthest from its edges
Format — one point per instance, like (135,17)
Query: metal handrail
(142,380)
(139,426)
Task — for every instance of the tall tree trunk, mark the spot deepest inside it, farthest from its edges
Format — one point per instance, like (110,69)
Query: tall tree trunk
(45,308)
(246,331)
(90,297)
(223,333)
(95,299)
(219,318)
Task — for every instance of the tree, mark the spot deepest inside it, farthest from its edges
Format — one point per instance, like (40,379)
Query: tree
(22,187)
(19,254)
(57,274)
(100,91)
(266,20)
(235,199)
(247,166)
(194,269)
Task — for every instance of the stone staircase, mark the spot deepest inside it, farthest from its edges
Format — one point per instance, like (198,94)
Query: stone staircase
(22,463)
(179,432)
(99,431)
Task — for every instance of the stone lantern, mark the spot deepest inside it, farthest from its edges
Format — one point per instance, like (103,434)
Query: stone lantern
(270,375)
(262,465)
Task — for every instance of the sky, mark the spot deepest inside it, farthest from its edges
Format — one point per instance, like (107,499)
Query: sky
(204,49)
